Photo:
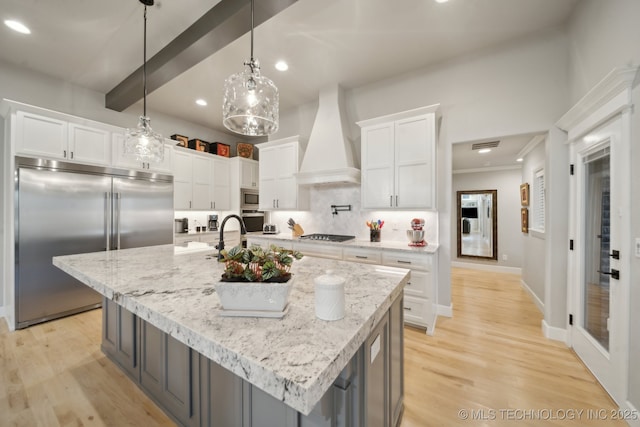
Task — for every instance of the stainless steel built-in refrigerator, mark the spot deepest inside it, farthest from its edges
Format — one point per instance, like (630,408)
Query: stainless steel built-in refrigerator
(63,208)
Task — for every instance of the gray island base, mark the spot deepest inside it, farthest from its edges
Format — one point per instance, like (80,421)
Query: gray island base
(162,327)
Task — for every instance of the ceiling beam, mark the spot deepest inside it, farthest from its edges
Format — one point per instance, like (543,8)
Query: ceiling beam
(225,22)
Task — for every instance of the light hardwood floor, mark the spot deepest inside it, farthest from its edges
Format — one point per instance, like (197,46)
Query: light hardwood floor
(490,356)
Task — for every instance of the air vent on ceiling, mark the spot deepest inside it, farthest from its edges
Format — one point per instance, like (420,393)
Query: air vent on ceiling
(481,145)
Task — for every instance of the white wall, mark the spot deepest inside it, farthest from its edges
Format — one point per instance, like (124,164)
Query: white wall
(40,90)
(319,219)
(517,88)
(604,35)
(507,182)
(533,266)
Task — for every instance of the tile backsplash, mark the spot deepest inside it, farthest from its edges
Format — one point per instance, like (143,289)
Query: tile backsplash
(319,219)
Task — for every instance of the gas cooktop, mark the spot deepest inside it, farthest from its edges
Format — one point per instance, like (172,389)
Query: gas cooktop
(327,237)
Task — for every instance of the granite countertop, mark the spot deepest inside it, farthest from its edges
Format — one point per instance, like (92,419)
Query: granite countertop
(295,359)
(357,243)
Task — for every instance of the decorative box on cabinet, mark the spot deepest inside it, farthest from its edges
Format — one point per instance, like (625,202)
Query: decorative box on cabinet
(43,136)
(279,162)
(398,160)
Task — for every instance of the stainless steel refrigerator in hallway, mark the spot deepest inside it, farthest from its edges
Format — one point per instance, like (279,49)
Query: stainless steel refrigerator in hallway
(64,208)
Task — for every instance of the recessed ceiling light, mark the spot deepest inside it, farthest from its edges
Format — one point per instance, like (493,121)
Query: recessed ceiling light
(201,102)
(519,159)
(441,1)
(484,150)
(282,66)
(17,26)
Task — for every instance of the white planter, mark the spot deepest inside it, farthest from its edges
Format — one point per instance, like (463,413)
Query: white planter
(254,296)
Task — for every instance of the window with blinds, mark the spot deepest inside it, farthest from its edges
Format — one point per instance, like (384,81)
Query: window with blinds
(537,217)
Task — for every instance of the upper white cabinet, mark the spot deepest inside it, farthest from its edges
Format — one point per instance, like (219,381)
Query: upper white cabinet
(128,162)
(248,173)
(200,181)
(279,162)
(42,136)
(398,160)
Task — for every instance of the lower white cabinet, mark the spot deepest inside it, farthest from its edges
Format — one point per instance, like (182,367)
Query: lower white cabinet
(318,250)
(420,292)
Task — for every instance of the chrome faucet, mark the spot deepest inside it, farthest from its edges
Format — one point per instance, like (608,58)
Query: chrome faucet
(220,245)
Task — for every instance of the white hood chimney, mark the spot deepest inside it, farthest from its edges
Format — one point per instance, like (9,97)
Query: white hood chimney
(328,158)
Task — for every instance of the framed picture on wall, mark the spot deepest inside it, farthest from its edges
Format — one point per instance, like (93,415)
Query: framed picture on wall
(524,220)
(524,194)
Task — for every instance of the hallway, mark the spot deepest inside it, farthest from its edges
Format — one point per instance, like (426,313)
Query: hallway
(491,363)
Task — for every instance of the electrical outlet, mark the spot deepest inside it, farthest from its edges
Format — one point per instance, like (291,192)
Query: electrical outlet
(638,247)
(504,257)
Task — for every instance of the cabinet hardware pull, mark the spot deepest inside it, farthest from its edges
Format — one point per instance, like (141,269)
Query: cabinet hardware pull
(211,204)
(403,262)
(407,308)
(64,153)
(362,256)
(72,154)
(189,204)
(396,200)
(274,203)
(391,201)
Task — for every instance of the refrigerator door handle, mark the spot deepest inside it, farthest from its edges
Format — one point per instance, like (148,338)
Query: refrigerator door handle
(107,219)
(118,196)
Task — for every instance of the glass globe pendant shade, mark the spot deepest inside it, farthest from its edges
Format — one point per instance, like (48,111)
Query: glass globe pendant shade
(250,105)
(143,143)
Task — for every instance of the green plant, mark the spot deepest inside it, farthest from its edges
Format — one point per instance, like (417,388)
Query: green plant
(256,264)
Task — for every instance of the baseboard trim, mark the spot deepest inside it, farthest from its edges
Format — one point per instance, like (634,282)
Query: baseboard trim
(444,310)
(632,421)
(553,333)
(487,267)
(535,298)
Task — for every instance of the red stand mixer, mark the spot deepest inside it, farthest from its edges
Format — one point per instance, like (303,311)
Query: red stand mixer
(416,234)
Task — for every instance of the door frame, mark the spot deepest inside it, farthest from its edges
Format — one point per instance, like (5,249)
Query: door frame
(609,102)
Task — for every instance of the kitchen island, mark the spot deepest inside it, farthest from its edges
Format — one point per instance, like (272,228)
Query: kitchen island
(161,307)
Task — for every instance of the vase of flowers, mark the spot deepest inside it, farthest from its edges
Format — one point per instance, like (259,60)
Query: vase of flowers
(255,278)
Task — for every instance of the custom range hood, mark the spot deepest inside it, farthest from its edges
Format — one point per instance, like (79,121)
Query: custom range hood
(328,158)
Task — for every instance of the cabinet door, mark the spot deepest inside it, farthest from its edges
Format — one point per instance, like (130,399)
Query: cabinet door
(41,136)
(396,357)
(248,174)
(166,165)
(120,160)
(287,187)
(182,181)
(376,374)
(201,183)
(221,187)
(378,166)
(268,178)
(89,145)
(414,163)
(318,249)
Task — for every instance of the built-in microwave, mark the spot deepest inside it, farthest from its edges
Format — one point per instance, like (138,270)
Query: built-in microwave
(249,199)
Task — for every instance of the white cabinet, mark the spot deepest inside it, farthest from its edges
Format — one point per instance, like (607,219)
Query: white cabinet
(120,160)
(248,173)
(398,160)
(266,243)
(279,162)
(420,292)
(317,249)
(200,181)
(42,136)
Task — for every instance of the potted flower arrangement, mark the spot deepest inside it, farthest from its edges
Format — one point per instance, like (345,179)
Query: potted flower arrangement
(256,279)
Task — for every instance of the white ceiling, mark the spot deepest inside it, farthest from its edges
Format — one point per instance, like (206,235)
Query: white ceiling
(96,44)
(504,155)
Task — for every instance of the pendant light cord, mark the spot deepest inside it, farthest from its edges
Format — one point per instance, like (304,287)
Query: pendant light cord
(144,66)
(252,33)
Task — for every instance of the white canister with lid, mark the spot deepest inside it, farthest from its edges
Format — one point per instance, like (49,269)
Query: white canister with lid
(329,296)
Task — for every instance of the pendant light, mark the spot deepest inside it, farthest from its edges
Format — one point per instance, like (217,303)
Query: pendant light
(142,142)
(250,105)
